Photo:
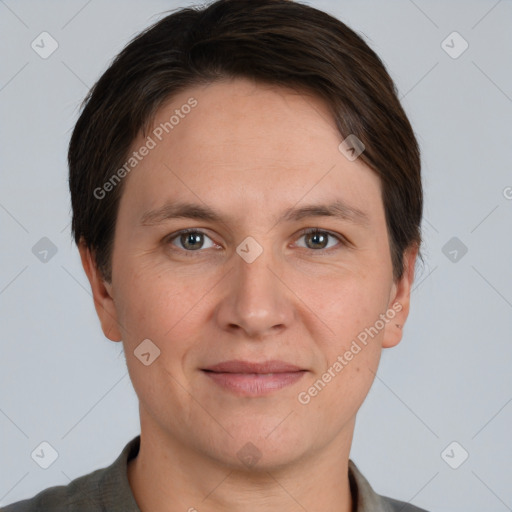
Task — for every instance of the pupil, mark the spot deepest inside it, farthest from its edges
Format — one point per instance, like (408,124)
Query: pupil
(318,237)
(190,238)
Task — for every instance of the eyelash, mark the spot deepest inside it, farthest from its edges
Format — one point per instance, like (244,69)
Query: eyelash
(307,231)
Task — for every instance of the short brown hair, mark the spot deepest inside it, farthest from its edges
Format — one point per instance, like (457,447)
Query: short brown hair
(272,42)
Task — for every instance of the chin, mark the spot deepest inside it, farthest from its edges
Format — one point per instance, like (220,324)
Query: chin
(253,449)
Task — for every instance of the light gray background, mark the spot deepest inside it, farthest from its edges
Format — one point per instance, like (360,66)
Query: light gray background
(449,380)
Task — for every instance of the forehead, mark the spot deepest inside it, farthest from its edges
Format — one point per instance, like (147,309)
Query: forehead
(258,146)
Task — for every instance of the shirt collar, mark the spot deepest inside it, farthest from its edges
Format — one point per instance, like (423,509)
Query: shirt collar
(364,498)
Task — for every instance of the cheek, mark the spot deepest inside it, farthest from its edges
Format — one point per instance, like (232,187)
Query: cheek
(349,303)
(336,392)
(350,306)
(153,305)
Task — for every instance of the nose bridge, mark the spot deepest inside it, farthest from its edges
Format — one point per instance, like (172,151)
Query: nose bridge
(256,301)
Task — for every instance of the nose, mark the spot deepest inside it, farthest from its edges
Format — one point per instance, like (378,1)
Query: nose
(256,302)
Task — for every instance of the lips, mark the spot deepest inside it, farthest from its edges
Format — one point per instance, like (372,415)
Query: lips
(246,378)
(238,366)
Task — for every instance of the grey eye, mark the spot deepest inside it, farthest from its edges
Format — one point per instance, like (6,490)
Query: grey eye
(191,240)
(318,239)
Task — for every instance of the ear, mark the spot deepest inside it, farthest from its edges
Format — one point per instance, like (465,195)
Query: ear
(102,295)
(399,300)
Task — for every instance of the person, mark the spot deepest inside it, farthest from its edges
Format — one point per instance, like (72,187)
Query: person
(247,200)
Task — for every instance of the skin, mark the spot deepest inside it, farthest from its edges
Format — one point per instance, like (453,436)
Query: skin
(250,151)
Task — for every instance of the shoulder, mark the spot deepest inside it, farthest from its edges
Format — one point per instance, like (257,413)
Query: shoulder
(367,500)
(103,489)
(82,494)
(400,506)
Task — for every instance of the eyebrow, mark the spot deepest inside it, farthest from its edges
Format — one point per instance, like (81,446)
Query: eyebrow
(181,210)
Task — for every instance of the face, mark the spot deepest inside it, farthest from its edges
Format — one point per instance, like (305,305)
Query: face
(257,315)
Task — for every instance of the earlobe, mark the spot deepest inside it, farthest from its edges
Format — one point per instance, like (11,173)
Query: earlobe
(400,301)
(102,295)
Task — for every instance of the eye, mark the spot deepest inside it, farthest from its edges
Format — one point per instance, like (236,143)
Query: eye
(316,239)
(190,240)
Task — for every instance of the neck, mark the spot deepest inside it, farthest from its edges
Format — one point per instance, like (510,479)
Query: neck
(168,477)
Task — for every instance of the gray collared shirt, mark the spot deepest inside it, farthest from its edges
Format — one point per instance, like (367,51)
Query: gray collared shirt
(108,490)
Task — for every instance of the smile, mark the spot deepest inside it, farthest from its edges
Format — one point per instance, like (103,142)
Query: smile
(254,379)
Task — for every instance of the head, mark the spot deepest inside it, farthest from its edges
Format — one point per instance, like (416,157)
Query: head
(227,121)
